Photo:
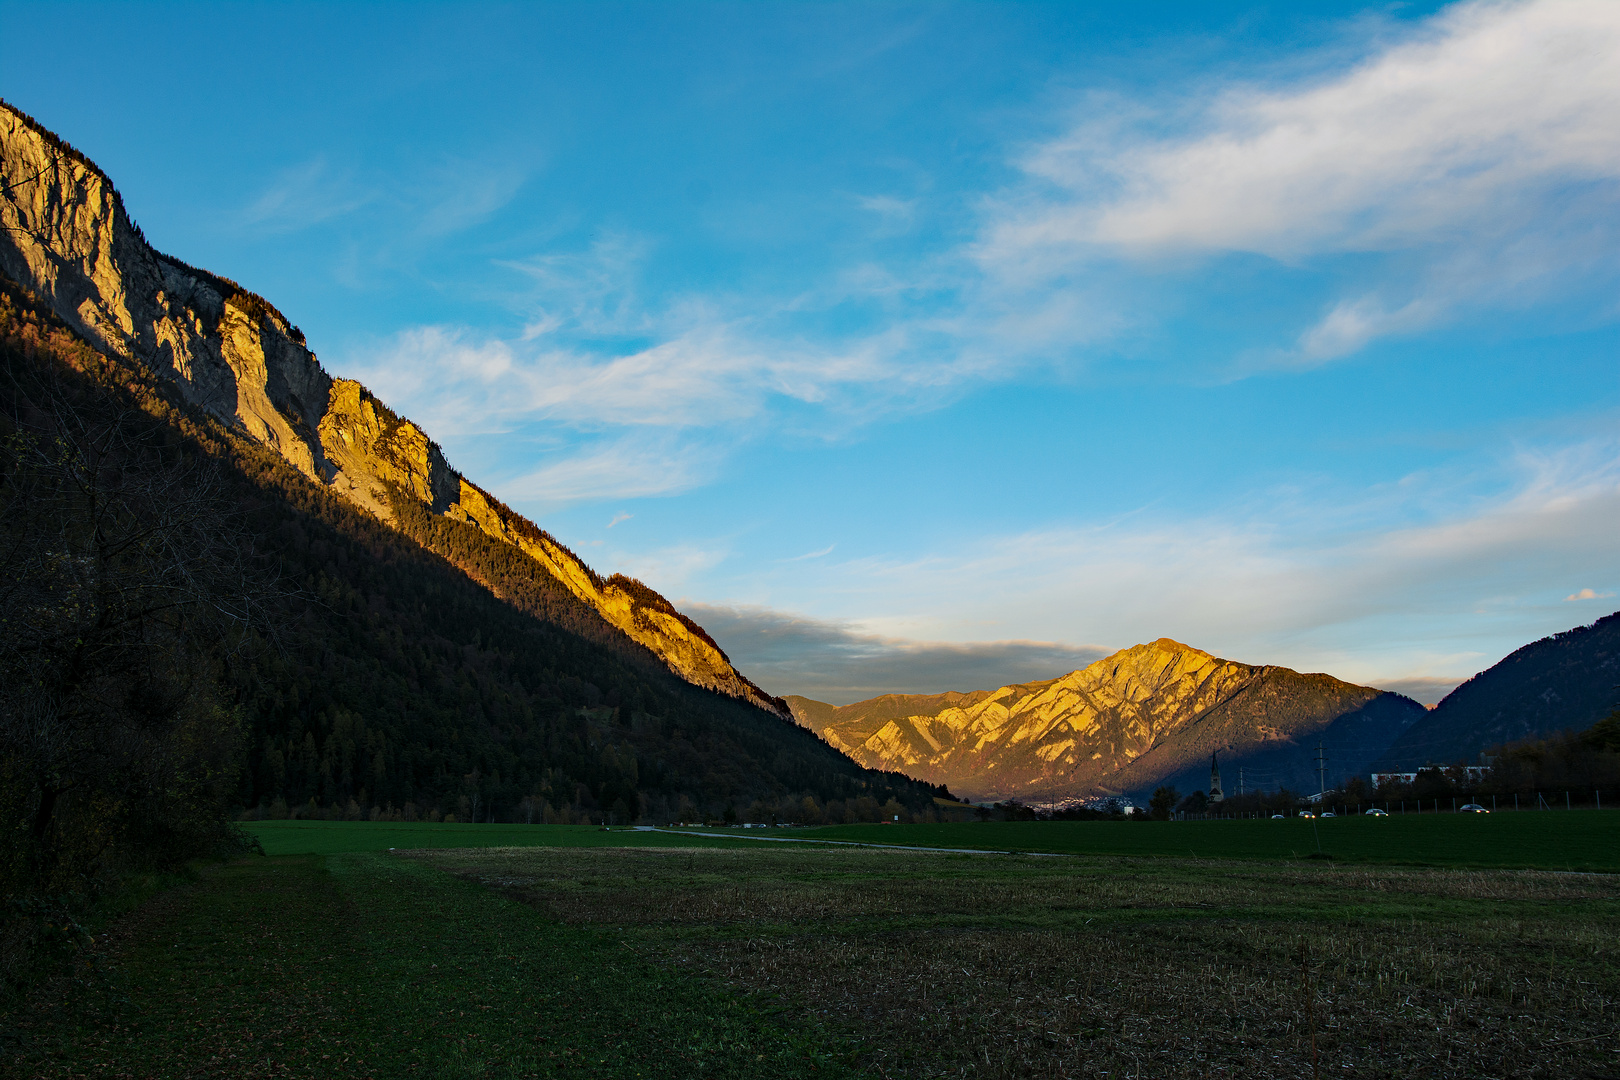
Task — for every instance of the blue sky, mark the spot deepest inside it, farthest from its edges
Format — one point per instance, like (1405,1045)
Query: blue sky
(941,346)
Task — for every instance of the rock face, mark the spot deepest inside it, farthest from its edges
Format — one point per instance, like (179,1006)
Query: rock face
(65,236)
(1149,715)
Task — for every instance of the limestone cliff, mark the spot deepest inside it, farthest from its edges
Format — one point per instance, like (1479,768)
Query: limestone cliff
(65,236)
(1148,715)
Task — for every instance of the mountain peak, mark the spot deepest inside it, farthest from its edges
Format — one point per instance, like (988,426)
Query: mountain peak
(1144,715)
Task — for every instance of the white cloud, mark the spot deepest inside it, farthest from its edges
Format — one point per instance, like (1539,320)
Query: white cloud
(1488,104)
(623,468)
(1588,594)
(593,291)
(1473,159)
(619,518)
(593,358)
(1351,324)
(1479,152)
(461,382)
(1330,586)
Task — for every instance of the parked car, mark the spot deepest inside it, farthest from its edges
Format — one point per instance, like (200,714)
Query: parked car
(1375,812)
(1472,808)
(1306,814)
(1276,817)
(1329,813)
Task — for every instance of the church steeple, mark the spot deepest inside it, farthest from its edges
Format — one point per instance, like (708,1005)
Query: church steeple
(1215,777)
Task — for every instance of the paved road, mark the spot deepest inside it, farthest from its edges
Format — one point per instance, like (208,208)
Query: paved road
(851,843)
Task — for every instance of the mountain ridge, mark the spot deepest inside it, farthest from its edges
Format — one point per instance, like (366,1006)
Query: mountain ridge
(66,235)
(403,681)
(1144,716)
(1565,681)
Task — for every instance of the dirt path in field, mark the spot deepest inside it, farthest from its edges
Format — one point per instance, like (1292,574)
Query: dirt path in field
(856,843)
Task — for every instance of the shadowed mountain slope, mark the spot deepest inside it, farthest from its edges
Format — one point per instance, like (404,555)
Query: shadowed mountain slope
(432,658)
(65,236)
(1564,682)
(1148,715)
(401,678)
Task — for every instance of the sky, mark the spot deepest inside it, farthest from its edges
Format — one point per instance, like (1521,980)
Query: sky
(924,347)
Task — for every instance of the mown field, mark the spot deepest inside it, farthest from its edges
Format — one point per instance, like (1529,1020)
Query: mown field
(623,954)
(941,965)
(332,837)
(1587,840)
(1548,840)
(369,965)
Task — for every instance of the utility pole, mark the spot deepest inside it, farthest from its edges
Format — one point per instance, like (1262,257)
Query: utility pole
(1240,780)
(1321,772)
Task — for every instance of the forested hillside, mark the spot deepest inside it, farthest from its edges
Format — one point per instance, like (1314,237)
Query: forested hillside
(66,236)
(1566,682)
(383,679)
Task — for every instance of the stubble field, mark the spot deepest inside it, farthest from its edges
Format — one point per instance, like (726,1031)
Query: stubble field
(639,955)
(935,965)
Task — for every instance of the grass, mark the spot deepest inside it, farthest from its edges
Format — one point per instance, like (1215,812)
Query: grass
(1587,840)
(632,954)
(366,965)
(333,837)
(1582,840)
(937,965)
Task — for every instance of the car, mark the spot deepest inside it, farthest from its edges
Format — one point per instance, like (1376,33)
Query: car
(1306,814)
(1472,808)
(1330,814)
(1276,817)
(1375,812)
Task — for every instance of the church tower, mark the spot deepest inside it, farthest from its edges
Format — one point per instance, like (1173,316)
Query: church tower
(1215,777)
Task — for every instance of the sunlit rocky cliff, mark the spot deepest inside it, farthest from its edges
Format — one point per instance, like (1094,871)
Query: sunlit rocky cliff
(65,235)
(1149,715)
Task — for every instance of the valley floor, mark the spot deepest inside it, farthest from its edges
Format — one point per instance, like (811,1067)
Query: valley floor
(755,959)
(367,965)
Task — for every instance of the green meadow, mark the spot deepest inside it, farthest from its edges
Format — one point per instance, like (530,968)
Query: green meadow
(1438,946)
(362,964)
(331,837)
(1543,840)
(1586,840)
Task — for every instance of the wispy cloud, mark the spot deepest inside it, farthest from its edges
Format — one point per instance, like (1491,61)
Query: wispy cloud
(1328,586)
(461,194)
(828,550)
(619,518)
(689,375)
(895,213)
(412,208)
(305,195)
(1465,160)
(618,468)
(1351,324)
